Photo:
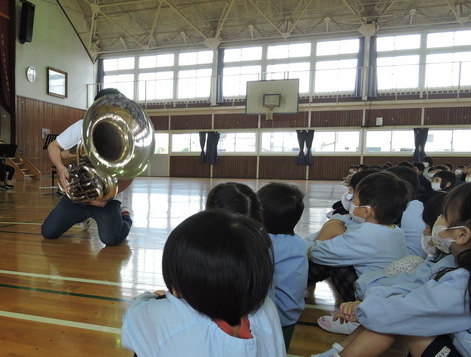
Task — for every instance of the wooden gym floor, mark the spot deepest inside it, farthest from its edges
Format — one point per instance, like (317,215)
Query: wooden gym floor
(66,297)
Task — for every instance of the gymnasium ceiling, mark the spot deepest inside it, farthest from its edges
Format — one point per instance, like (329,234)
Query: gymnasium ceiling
(120,26)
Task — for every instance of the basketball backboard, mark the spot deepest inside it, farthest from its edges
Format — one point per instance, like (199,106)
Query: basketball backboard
(276,96)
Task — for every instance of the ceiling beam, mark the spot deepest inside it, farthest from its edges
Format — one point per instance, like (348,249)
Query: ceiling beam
(299,17)
(267,19)
(154,25)
(224,15)
(185,19)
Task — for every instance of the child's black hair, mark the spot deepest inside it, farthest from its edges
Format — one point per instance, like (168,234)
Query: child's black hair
(236,198)
(281,207)
(386,194)
(419,166)
(356,178)
(407,174)
(219,263)
(446,177)
(457,212)
(428,159)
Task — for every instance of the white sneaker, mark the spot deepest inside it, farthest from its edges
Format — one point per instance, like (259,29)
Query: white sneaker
(85,224)
(327,323)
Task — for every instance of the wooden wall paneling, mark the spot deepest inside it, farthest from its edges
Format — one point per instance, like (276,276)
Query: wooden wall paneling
(331,167)
(190,122)
(160,122)
(455,161)
(188,166)
(280,167)
(34,115)
(394,117)
(436,116)
(236,166)
(235,121)
(381,160)
(460,115)
(336,118)
(297,120)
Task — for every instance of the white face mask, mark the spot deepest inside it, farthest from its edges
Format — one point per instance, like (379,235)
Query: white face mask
(430,174)
(429,249)
(468,179)
(458,172)
(425,164)
(347,200)
(355,219)
(436,186)
(440,242)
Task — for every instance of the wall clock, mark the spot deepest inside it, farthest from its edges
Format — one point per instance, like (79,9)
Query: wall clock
(31,74)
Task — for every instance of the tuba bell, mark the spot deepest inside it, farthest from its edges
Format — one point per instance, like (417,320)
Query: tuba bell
(117,143)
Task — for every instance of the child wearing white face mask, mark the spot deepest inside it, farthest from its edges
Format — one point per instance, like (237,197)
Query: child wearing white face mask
(429,308)
(378,201)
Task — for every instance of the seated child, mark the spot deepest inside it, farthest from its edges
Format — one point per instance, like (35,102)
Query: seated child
(411,219)
(378,200)
(218,272)
(443,181)
(281,207)
(429,308)
(236,198)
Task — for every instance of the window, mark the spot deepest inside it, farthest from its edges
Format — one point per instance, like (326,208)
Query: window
(335,76)
(235,79)
(156,61)
(116,64)
(194,58)
(242,54)
(390,141)
(336,141)
(161,143)
(398,72)
(156,86)
(300,70)
(449,39)
(448,141)
(122,82)
(280,141)
(194,83)
(396,43)
(237,142)
(332,48)
(189,142)
(454,69)
(289,51)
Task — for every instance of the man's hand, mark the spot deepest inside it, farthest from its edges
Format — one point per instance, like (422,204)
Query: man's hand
(98,203)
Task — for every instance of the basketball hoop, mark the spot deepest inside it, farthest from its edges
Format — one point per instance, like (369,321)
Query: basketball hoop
(269,113)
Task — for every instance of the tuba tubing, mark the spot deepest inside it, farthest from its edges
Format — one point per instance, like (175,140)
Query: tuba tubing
(117,143)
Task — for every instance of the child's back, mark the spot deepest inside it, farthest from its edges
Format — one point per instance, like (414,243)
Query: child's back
(281,208)
(218,269)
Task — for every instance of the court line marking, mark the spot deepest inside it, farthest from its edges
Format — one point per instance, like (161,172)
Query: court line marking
(52,321)
(80,325)
(22,223)
(57,277)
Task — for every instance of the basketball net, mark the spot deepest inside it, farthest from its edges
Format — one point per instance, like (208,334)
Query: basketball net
(269,113)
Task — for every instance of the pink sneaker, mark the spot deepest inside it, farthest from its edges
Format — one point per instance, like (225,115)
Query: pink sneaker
(327,323)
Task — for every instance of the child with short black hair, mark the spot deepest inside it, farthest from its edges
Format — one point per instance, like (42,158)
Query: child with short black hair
(281,207)
(218,272)
(236,198)
(443,181)
(429,309)
(378,201)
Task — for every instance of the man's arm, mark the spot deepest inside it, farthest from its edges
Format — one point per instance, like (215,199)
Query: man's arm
(54,150)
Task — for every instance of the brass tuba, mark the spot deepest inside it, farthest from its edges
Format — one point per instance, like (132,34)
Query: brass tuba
(117,143)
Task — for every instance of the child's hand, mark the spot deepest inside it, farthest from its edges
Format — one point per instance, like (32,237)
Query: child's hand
(347,311)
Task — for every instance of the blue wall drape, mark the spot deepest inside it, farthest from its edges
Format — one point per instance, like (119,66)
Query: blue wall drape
(420,139)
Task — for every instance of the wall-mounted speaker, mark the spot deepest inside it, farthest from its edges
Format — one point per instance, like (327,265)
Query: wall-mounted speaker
(26,22)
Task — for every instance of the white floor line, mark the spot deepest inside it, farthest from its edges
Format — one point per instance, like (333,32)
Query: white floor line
(319,307)
(20,223)
(57,277)
(48,320)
